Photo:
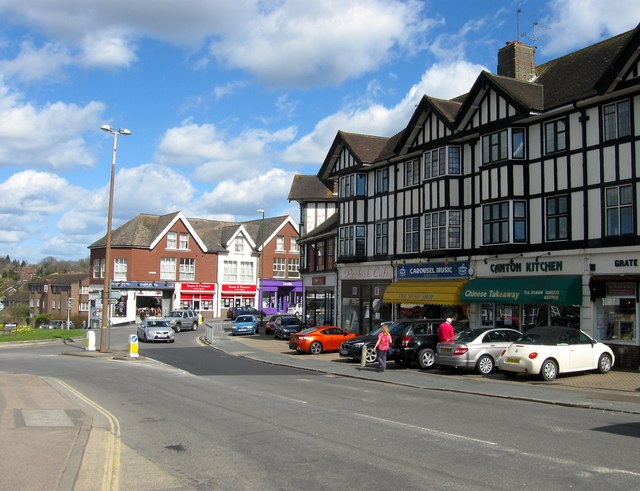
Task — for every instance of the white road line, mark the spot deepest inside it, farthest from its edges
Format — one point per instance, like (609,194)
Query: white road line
(422,428)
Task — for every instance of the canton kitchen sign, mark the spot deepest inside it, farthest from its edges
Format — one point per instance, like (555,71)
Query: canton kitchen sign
(455,269)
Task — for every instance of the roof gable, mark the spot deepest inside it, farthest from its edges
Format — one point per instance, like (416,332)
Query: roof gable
(179,216)
(351,151)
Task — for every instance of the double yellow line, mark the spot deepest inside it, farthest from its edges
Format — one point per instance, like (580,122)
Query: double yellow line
(112,442)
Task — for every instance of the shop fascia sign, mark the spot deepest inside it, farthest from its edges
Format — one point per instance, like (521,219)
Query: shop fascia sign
(512,267)
(236,288)
(366,273)
(198,287)
(454,269)
(139,285)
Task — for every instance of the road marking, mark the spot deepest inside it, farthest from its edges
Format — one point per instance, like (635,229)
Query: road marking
(276,396)
(422,428)
(113,443)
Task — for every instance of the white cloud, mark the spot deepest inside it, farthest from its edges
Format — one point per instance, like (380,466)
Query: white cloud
(34,136)
(245,196)
(290,45)
(107,50)
(574,24)
(33,63)
(443,81)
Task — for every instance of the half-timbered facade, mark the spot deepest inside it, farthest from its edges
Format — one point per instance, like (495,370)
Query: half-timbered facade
(514,204)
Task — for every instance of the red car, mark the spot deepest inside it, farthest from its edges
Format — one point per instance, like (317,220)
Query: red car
(315,340)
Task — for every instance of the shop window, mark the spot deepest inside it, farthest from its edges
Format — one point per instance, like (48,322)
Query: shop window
(617,313)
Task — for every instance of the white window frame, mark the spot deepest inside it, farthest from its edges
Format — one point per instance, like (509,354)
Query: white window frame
(246,272)
(293,268)
(280,243)
(442,230)
(187,269)
(172,241)
(184,242)
(120,269)
(239,245)
(279,267)
(230,271)
(293,245)
(168,268)
(442,162)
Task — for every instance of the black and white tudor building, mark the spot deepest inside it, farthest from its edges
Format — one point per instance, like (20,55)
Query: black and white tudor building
(514,204)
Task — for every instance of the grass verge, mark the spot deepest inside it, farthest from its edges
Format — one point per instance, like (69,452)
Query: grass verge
(38,334)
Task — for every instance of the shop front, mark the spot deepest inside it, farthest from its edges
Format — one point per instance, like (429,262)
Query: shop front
(524,293)
(429,290)
(197,296)
(319,308)
(237,295)
(613,288)
(134,300)
(278,295)
(361,291)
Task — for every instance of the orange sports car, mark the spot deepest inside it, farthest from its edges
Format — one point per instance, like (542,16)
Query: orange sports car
(315,340)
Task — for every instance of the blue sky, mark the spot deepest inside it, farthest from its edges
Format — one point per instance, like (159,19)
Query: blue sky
(227,100)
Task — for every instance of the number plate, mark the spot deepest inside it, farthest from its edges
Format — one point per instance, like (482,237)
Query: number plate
(513,359)
(445,350)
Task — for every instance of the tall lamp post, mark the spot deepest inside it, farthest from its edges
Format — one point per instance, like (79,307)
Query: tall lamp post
(104,333)
(261,280)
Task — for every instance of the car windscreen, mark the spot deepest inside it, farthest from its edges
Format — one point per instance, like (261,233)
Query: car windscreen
(294,321)
(157,324)
(244,318)
(468,336)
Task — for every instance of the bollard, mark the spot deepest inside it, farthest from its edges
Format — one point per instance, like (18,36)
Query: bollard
(90,341)
(133,346)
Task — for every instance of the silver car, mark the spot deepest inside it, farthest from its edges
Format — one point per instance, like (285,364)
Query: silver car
(475,349)
(156,330)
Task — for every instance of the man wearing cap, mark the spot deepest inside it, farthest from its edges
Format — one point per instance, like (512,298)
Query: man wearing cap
(445,331)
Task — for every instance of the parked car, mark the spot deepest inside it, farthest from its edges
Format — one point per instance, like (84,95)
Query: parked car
(182,319)
(57,324)
(351,349)
(415,341)
(234,312)
(549,350)
(316,340)
(155,329)
(287,325)
(270,324)
(475,349)
(295,309)
(245,324)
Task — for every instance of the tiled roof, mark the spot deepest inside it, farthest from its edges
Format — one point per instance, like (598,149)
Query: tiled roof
(366,148)
(142,230)
(65,278)
(576,75)
(306,188)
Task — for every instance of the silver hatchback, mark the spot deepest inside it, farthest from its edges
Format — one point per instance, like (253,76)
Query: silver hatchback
(475,349)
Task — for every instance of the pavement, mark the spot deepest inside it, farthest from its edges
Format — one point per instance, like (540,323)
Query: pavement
(43,416)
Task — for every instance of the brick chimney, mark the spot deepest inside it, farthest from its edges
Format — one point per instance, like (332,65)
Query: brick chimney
(515,60)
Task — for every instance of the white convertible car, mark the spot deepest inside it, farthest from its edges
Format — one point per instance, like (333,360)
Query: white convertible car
(550,350)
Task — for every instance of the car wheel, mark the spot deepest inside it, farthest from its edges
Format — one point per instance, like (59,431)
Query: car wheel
(510,375)
(178,328)
(372,354)
(172,340)
(315,348)
(143,338)
(195,326)
(485,365)
(604,363)
(426,358)
(549,370)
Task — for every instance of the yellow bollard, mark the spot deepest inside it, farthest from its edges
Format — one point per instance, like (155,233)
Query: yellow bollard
(133,346)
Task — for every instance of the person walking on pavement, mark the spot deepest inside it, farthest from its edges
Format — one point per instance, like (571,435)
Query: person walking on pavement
(382,346)
(445,331)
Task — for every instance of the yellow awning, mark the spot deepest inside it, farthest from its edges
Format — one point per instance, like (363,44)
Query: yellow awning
(436,292)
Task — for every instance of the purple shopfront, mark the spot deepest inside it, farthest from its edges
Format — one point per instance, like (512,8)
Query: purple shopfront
(278,295)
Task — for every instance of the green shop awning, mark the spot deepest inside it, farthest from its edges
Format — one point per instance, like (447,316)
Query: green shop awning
(563,290)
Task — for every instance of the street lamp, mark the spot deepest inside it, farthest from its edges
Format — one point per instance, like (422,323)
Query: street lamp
(261,279)
(104,334)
